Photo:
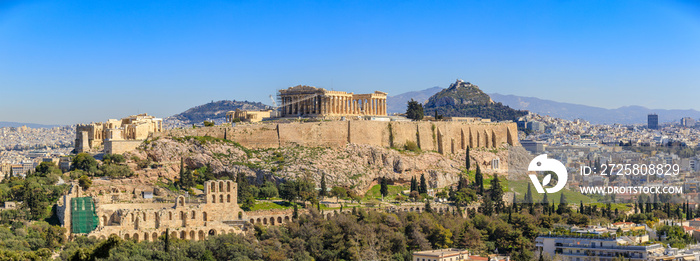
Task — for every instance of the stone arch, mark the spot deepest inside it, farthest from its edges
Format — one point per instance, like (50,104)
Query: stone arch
(286,218)
(212,186)
(136,237)
(204,216)
(127,237)
(221,186)
(264,221)
(228,198)
(463,141)
(212,232)
(181,201)
(213,198)
(228,186)
(154,236)
(145,236)
(279,220)
(252,221)
(182,215)
(272,221)
(102,238)
(486,140)
(183,235)
(112,234)
(201,235)
(230,231)
(193,214)
(221,198)
(170,215)
(173,234)
(493,139)
(411,210)
(192,235)
(258,221)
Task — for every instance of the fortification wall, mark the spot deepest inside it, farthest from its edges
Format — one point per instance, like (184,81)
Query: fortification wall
(444,137)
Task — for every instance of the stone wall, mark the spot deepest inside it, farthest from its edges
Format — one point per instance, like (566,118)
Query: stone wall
(121,146)
(445,136)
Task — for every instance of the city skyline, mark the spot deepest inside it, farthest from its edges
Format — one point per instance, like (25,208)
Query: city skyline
(72,62)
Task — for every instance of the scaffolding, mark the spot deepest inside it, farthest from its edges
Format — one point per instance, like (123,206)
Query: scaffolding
(83,217)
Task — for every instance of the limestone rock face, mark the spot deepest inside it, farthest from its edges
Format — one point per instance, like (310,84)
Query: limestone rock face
(354,166)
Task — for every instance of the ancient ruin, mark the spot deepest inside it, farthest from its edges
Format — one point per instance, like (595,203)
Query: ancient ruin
(193,218)
(117,136)
(302,100)
(247,116)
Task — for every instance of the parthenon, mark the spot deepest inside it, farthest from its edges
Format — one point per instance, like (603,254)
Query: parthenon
(302,100)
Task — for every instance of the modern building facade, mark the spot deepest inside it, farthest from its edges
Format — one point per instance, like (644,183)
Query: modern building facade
(653,121)
(582,248)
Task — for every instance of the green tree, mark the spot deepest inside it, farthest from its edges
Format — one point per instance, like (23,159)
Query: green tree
(423,185)
(268,190)
(339,192)
(528,195)
(497,194)
(383,187)
(479,180)
(322,192)
(468,159)
(414,184)
(85,182)
(85,162)
(414,110)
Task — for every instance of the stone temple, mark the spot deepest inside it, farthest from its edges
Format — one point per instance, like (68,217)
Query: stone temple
(117,136)
(302,100)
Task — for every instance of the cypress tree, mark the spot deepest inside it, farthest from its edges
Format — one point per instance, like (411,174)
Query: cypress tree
(383,187)
(322,193)
(480,180)
(468,159)
(167,240)
(423,186)
(528,196)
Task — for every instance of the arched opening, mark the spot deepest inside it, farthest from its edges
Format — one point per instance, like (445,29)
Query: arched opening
(228,186)
(154,236)
(201,235)
(272,221)
(286,218)
(127,237)
(213,187)
(228,198)
(193,214)
(279,219)
(213,198)
(252,221)
(264,221)
(221,186)
(204,216)
(182,201)
(145,236)
(192,235)
(183,235)
(240,214)
(136,237)
(258,221)
(411,210)
(170,215)
(212,232)
(221,198)
(102,238)
(182,215)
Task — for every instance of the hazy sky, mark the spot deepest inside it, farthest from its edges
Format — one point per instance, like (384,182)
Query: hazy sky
(65,62)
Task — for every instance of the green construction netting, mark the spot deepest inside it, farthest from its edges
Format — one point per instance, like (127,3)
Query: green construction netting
(83,217)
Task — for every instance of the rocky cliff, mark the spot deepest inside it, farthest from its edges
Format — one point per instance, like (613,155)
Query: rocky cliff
(464,99)
(354,166)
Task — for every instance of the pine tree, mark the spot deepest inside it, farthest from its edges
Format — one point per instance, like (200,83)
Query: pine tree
(295,214)
(322,193)
(423,186)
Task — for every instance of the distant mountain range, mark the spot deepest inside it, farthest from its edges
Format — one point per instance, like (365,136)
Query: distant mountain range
(596,115)
(20,124)
(216,110)
(569,111)
(399,102)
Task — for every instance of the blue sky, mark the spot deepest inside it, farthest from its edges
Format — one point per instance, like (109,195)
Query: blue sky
(65,62)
